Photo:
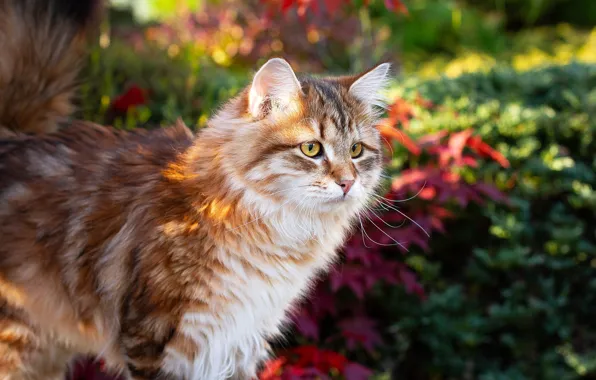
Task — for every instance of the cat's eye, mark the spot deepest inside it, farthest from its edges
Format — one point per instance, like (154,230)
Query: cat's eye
(311,149)
(356,150)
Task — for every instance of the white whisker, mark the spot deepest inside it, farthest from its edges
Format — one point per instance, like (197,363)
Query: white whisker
(362,232)
(388,144)
(407,217)
(402,200)
(381,230)
(385,222)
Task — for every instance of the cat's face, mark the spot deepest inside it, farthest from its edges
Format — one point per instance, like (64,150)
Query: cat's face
(314,144)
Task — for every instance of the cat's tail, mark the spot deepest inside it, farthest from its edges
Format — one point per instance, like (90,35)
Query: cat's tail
(42,43)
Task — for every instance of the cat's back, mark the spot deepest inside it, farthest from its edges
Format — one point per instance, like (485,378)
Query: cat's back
(51,184)
(82,151)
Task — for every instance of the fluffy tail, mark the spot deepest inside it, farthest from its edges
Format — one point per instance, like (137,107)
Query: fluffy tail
(42,43)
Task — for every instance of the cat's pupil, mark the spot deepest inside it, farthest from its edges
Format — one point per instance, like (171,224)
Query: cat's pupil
(311,147)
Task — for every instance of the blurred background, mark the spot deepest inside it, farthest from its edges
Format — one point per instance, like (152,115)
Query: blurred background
(490,171)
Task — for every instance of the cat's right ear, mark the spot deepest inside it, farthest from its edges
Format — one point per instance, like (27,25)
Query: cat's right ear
(274,86)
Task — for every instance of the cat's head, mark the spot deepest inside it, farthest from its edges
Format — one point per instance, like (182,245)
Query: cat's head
(308,142)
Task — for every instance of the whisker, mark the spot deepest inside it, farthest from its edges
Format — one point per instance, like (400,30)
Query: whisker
(407,217)
(362,232)
(386,234)
(402,200)
(385,222)
(388,144)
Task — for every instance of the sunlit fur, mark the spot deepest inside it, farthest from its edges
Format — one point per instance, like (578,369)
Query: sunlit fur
(179,255)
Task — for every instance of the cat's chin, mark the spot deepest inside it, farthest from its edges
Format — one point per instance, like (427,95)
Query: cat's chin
(339,204)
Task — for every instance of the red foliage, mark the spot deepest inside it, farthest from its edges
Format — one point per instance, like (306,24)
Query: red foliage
(417,204)
(415,207)
(134,96)
(329,6)
(306,362)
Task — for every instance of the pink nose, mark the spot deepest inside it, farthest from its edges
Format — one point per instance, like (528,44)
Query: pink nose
(346,185)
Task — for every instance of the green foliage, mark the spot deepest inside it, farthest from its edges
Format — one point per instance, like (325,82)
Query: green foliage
(512,289)
(152,10)
(185,84)
(532,12)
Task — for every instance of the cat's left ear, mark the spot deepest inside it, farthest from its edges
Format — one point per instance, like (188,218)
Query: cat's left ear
(274,85)
(368,87)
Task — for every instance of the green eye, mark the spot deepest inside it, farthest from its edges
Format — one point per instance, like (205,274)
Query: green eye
(356,150)
(311,149)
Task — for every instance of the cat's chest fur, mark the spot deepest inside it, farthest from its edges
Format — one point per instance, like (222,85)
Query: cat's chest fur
(251,300)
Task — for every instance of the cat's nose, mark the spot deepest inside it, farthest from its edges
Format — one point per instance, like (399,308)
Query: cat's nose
(346,185)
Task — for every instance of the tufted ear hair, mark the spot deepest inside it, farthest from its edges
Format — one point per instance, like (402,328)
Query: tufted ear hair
(274,82)
(367,88)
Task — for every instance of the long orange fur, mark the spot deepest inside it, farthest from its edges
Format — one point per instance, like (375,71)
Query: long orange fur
(171,255)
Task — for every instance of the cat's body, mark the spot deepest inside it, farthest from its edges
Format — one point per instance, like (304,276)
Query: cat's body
(176,255)
(120,238)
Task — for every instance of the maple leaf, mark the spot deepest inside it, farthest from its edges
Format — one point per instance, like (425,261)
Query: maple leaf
(411,176)
(432,139)
(491,192)
(323,302)
(360,331)
(389,132)
(457,143)
(307,325)
(350,277)
(485,150)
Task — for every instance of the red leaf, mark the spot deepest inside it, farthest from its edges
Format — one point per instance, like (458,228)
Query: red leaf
(391,133)
(360,330)
(306,325)
(457,142)
(323,303)
(433,138)
(410,283)
(469,161)
(286,5)
(485,150)
(428,193)
(355,371)
(491,192)
(410,177)
(350,277)
(134,96)
(424,103)
(332,360)
(273,369)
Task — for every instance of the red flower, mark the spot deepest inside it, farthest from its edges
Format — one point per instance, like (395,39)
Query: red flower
(134,96)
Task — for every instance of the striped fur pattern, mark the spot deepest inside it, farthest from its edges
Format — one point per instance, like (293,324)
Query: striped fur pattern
(174,255)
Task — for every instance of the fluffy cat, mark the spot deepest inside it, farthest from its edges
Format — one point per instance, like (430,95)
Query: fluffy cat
(171,255)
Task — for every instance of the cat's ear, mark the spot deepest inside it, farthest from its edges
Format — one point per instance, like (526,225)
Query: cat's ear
(276,83)
(368,87)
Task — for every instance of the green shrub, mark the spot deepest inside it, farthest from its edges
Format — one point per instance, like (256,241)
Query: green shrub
(512,289)
(180,82)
